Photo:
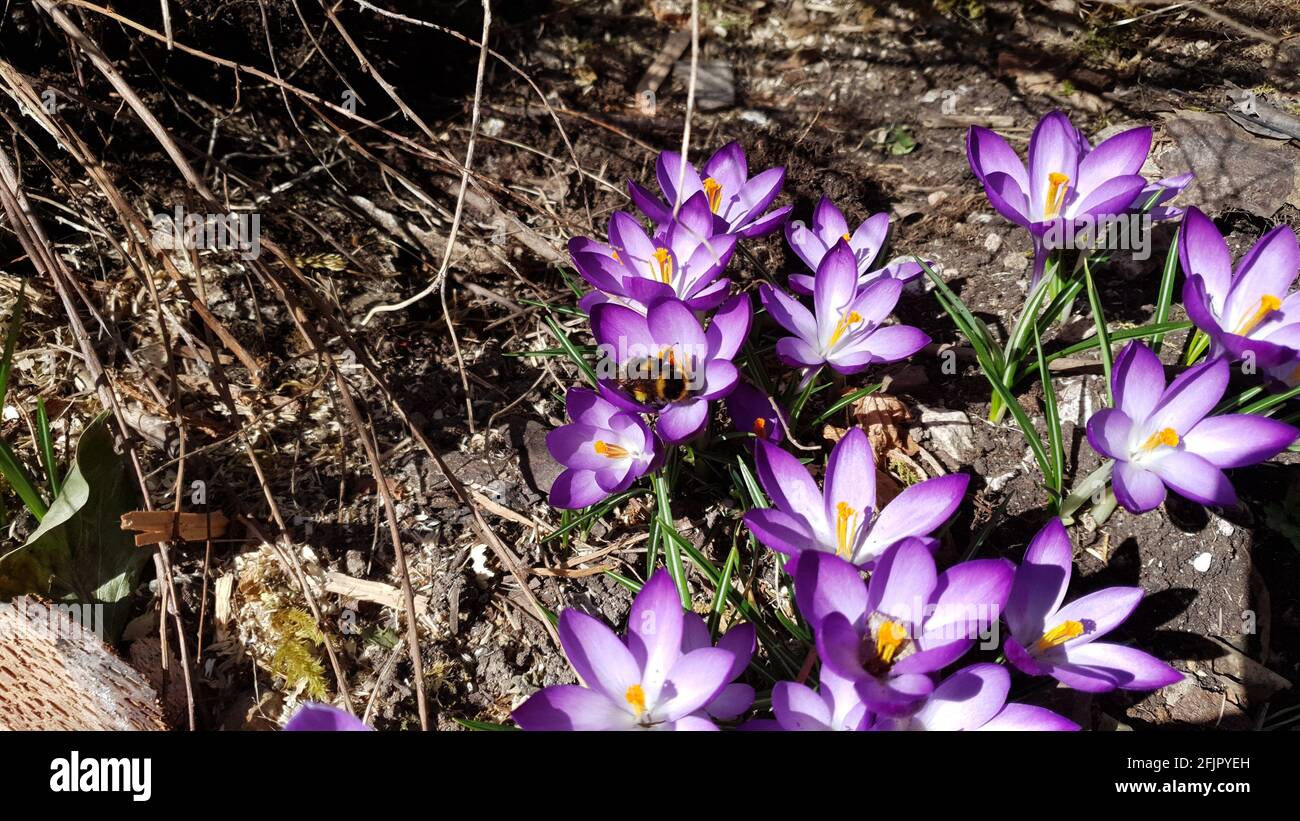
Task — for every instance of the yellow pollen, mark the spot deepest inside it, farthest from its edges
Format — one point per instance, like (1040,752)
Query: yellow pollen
(617,258)
(889,639)
(760,427)
(1167,437)
(713,190)
(1267,305)
(844,324)
(610,451)
(636,697)
(1058,184)
(665,272)
(846,237)
(1059,635)
(846,529)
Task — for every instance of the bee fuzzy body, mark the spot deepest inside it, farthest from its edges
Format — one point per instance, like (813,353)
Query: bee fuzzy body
(655,382)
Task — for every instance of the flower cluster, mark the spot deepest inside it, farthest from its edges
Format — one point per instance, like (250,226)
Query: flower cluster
(883,644)
(669,325)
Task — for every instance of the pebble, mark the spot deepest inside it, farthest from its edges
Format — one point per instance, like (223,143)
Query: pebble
(1202,562)
(993,243)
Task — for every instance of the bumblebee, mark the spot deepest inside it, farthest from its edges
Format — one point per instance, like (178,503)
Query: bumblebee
(656,381)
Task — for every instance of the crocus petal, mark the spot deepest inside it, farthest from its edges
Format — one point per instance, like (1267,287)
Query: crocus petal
(1111,197)
(1238,440)
(668,170)
(869,238)
(1197,303)
(1053,149)
(788,312)
(573,489)
(573,446)
(1194,477)
(851,480)
(1008,198)
(731,702)
(967,598)
(1203,252)
(798,708)
(1099,612)
(966,700)
(756,195)
(728,166)
(740,641)
(672,323)
(1138,381)
(1190,397)
(720,377)
(767,224)
(1119,156)
(729,327)
(806,243)
(1027,717)
(569,707)
(896,695)
(588,407)
(1128,667)
(1137,488)
(889,344)
(836,285)
(654,631)
(649,204)
(682,420)
(1109,432)
(598,656)
(788,483)
(1040,582)
(989,153)
(828,222)
(691,724)
(902,582)
(798,353)
(322,718)
(622,330)
(838,645)
(827,584)
(917,511)
(780,531)
(1267,269)
(695,680)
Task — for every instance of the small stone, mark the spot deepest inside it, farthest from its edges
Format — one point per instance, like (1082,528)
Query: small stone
(993,243)
(936,197)
(1202,562)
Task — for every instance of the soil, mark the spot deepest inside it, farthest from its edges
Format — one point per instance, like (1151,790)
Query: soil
(822,89)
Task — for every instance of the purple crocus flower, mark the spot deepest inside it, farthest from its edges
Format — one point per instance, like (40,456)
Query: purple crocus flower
(812,243)
(1067,181)
(843,519)
(313,717)
(846,332)
(975,698)
(1246,313)
(643,682)
(752,412)
(683,259)
(604,450)
(669,338)
(736,200)
(1050,640)
(1162,437)
(910,621)
(834,705)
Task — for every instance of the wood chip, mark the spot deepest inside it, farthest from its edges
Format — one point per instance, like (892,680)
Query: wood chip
(377,592)
(156,526)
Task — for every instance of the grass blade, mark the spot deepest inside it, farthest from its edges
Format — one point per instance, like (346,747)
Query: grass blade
(1057,478)
(1103,337)
(571,349)
(1166,295)
(46,444)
